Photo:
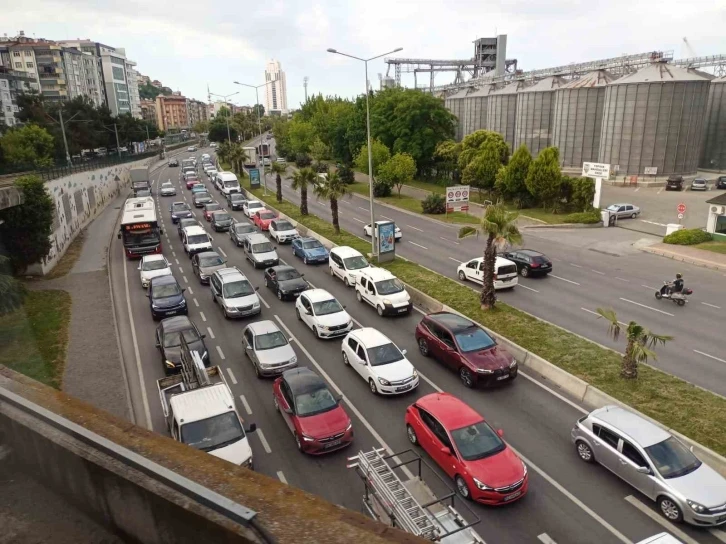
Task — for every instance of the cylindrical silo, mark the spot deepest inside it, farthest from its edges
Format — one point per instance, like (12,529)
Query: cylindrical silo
(502,111)
(455,104)
(713,147)
(535,109)
(654,119)
(578,118)
(475,105)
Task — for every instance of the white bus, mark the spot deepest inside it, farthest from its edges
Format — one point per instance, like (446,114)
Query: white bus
(140,230)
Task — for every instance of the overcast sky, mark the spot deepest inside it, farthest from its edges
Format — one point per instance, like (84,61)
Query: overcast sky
(188,45)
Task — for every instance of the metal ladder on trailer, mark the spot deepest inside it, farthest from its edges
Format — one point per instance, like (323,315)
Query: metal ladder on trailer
(193,373)
(404,508)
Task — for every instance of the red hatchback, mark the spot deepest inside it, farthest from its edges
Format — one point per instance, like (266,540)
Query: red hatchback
(192,182)
(312,412)
(466,348)
(484,468)
(210,208)
(262,219)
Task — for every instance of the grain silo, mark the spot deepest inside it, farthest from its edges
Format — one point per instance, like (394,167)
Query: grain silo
(455,104)
(713,147)
(653,119)
(535,109)
(502,110)
(578,118)
(475,105)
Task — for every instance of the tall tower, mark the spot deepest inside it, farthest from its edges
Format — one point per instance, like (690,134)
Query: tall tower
(305,84)
(276,89)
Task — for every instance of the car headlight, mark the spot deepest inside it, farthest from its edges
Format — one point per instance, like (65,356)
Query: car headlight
(484,371)
(387,301)
(383,382)
(154,306)
(699,508)
(307,438)
(293,360)
(349,427)
(513,363)
(256,305)
(525,468)
(203,276)
(324,327)
(481,485)
(415,374)
(169,364)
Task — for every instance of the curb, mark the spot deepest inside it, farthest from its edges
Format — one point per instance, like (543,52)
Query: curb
(683,258)
(564,226)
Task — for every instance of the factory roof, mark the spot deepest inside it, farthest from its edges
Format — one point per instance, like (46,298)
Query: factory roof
(661,72)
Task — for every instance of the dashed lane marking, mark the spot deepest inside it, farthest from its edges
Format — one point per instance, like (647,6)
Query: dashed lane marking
(564,279)
(211,333)
(262,438)
(545,539)
(196,303)
(246,405)
(201,314)
(648,307)
(190,290)
(415,228)
(417,245)
(450,241)
(711,305)
(709,356)
(281,476)
(520,284)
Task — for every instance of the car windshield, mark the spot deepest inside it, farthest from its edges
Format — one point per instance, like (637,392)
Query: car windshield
(187,223)
(156,264)
(355,263)
(167,185)
(315,402)
(477,441)
(383,355)
(672,458)
(221,216)
(212,207)
(171,338)
(388,287)
(264,247)
(239,288)
(243,228)
(313,244)
(165,290)
(236,196)
(210,260)
(267,215)
(473,339)
(270,340)
(179,206)
(539,259)
(284,275)
(198,239)
(284,225)
(213,432)
(201,195)
(231,183)
(252,205)
(613,207)
(326,307)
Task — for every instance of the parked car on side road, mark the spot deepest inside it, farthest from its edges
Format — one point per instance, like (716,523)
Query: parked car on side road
(529,262)
(623,211)
(674,183)
(699,184)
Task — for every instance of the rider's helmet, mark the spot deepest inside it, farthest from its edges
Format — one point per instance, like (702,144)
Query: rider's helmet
(679,276)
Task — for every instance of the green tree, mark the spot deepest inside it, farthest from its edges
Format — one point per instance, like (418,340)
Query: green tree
(398,170)
(512,178)
(200,127)
(544,176)
(447,157)
(238,157)
(500,228)
(218,131)
(582,194)
(223,112)
(300,136)
(12,291)
(380,155)
(301,180)
(278,168)
(319,151)
(260,108)
(28,145)
(482,171)
(346,174)
(333,189)
(640,343)
(25,229)
(475,142)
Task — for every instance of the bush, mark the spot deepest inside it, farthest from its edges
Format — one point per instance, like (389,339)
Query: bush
(687,237)
(588,218)
(434,204)
(466,231)
(382,188)
(322,167)
(302,160)
(346,174)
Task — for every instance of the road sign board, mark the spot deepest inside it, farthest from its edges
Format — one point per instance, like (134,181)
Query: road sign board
(595,170)
(680,216)
(651,170)
(457,193)
(681,208)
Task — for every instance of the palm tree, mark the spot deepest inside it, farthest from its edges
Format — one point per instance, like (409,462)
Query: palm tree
(500,229)
(278,168)
(223,151)
(238,157)
(333,189)
(639,346)
(302,179)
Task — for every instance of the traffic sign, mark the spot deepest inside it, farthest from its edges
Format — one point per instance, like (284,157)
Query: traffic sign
(681,208)
(680,216)
(595,170)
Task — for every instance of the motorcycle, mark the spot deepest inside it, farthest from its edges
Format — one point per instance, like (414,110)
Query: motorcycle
(678,297)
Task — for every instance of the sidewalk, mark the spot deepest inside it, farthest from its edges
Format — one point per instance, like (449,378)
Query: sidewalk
(699,257)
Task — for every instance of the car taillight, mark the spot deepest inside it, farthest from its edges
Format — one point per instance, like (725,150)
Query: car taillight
(495,276)
(535,265)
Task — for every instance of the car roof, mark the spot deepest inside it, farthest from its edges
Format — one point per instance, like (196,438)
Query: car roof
(236,195)
(230,274)
(195,229)
(378,274)
(530,252)
(634,426)
(197,404)
(207,254)
(500,260)
(302,380)
(176,323)
(212,204)
(156,257)
(454,322)
(243,224)
(371,337)
(257,238)
(318,295)
(346,251)
(308,239)
(451,412)
(254,202)
(282,268)
(162,280)
(263,327)
(167,183)
(219,212)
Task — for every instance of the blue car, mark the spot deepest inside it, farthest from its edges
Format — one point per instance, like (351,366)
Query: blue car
(166,298)
(309,250)
(179,210)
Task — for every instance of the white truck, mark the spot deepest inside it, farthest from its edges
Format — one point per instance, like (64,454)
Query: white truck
(251,156)
(200,410)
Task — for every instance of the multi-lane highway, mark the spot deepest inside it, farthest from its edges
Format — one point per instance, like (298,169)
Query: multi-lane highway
(568,501)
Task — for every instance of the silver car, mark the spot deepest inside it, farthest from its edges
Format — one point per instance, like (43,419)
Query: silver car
(167,189)
(268,349)
(206,263)
(654,462)
(621,211)
(699,184)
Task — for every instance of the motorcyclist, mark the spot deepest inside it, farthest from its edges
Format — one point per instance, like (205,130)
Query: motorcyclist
(676,286)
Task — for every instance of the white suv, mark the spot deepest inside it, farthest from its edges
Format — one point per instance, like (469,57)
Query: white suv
(152,266)
(195,240)
(233,292)
(505,272)
(321,311)
(282,231)
(347,263)
(382,290)
(251,207)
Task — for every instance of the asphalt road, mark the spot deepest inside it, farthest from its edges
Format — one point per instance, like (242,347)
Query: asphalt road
(568,500)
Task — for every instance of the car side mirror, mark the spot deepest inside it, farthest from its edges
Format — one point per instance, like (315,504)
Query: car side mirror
(403,352)
(147,295)
(203,336)
(643,470)
(445,450)
(287,410)
(344,306)
(161,231)
(138,267)
(157,344)
(252,428)
(338,398)
(118,236)
(184,289)
(500,432)
(257,288)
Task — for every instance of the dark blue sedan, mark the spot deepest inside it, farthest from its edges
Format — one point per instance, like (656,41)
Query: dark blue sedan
(309,250)
(166,297)
(179,210)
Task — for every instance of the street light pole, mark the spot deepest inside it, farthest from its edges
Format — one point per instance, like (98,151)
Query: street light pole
(260,162)
(229,139)
(374,251)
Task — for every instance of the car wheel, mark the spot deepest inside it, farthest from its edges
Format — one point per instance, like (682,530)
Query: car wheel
(315,332)
(524,272)
(274,401)
(379,309)
(411,435)
(423,347)
(297,442)
(257,371)
(681,302)
(359,296)
(305,259)
(346,362)
(634,216)
(585,452)
(466,377)
(345,282)
(279,294)
(670,509)
(265,281)
(462,487)
(224,311)
(297,313)
(462,276)
(373,387)
(330,269)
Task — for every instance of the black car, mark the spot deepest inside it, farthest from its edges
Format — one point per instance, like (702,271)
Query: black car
(721,182)
(168,341)
(186,222)
(236,200)
(201,198)
(238,232)
(173,162)
(530,262)
(221,221)
(166,298)
(179,210)
(285,281)
(674,183)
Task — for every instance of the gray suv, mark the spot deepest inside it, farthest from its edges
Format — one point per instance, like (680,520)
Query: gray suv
(260,251)
(655,463)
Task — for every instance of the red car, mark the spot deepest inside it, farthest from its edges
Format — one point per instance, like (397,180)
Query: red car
(192,182)
(210,208)
(262,219)
(466,348)
(484,468)
(312,412)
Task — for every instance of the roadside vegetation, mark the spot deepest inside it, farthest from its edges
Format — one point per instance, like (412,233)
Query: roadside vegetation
(687,237)
(715,246)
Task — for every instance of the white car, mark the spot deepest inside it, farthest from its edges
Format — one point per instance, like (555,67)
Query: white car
(379,362)
(191,149)
(195,240)
(167,189)
(251,207)
(153,266)
(282,231)
(266,161)
(397,234)
(321,311)
(212,173)
(213,145)
(347,264)
(382,290)
(505,272)
(281,160)
(205,156)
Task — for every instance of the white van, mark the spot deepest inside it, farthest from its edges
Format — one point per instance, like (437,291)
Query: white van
(382,290)
(227,183)
(505,272)
(195,240)
(347,263)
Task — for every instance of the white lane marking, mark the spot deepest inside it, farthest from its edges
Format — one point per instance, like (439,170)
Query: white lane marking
(181,269)
(211,333)
(362,208)
(185,279)
(636,190)
(456,260)
(359,221)
(653,223)
(649,287)
(660,520)
(177,262)
(710,356)
(414,228)
(575,265)
(202,316)
(525,287)
(173,254)
(622,279)
(659,191)
(545,539)
(719,534)
(648,307)
(281,476)
(261,435)
(354,320)
(564,279)
(419,310)
(190,290)
(597,314)
(195,302)
(246,405)
(597,272)
(262,300)
(384,217)
(711,305)
(231,376)
(450,241)
(137,356)
(222,251)
(417,245)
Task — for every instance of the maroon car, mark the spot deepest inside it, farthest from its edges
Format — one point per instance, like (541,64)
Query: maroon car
(465,347)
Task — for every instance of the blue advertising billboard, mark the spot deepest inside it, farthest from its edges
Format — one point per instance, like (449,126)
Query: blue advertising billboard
(386,238)
(254,178)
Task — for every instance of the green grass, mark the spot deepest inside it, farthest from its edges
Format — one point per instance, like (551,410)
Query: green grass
(428,186)
(33,339)
(716,247)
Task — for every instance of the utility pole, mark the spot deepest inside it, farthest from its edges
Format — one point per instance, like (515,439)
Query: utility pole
(147,133)
(63,130)
(305,84)
(118,146)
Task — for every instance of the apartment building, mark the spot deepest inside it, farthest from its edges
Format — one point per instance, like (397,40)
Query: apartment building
(197,111)
(148,110)
(132,78)
(171,112)
(276,90)
(11,84)
(82,75)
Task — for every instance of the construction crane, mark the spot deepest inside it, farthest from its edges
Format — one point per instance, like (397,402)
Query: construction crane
(690,50)
(305,84)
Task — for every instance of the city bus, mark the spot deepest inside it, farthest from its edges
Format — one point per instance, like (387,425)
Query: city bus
(140,230)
